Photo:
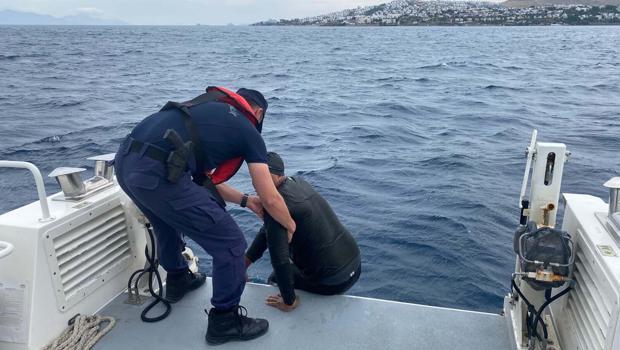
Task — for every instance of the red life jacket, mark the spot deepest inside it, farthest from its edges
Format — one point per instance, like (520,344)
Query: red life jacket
(228,168)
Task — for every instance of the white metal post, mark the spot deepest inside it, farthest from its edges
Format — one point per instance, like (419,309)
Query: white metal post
(38,179)
(5,249)
(546,182)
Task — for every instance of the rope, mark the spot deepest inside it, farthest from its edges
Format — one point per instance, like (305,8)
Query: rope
(82,333)
(153,274)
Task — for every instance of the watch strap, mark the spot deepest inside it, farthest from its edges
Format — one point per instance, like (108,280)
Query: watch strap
(244,200)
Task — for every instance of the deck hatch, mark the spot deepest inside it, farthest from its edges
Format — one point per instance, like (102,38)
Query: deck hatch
(87,250)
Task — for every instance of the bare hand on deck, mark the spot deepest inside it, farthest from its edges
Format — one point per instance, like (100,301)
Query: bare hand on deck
(277,302)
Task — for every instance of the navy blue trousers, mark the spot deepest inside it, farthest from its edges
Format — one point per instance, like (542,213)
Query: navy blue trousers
(189,209)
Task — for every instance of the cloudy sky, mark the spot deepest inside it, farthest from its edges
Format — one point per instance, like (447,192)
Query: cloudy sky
(185,11)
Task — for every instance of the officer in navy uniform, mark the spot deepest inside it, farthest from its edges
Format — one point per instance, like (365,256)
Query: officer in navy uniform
(161,166)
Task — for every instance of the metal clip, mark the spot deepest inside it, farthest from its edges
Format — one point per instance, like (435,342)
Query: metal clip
(134,298)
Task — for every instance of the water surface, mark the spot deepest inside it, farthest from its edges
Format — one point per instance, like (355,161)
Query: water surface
(414,135)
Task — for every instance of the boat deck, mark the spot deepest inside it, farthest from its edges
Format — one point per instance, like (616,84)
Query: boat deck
(335,322)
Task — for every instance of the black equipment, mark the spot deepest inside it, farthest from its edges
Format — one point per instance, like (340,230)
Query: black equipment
(176,164)
(545,251)
(546,257)
(152,271)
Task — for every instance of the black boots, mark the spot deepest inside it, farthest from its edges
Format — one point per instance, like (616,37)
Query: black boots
(234,324)
(180,283)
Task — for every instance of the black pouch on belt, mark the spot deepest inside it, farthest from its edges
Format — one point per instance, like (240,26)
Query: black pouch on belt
(209,185)
(176,164)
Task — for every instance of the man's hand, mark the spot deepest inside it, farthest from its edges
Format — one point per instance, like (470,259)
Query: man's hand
(255,205)
(290,233)
(277,302)
(271,200)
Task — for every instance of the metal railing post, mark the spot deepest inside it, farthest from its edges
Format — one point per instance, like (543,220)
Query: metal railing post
(6,249)
(38,179)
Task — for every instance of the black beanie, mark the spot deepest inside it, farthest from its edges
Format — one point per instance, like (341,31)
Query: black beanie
(275,164)
(255,97)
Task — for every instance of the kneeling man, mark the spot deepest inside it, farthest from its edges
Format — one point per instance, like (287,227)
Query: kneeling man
(321,257)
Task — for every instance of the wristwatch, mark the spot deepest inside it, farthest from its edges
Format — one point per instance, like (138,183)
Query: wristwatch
(244,200)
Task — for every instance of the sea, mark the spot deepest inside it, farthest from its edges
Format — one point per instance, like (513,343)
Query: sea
(415,135)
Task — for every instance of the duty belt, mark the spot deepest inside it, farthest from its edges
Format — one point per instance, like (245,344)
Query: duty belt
(150,151)
(162,156)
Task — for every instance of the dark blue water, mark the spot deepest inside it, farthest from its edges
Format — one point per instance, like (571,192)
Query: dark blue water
(415,135)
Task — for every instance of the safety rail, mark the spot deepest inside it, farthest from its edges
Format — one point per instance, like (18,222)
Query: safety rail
(6,249)
(38,179)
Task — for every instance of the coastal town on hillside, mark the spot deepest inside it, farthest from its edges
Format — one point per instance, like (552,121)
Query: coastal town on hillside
(413,12)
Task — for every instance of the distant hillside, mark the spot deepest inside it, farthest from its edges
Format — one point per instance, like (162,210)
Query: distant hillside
(467,13)
(10,17)
(528,3)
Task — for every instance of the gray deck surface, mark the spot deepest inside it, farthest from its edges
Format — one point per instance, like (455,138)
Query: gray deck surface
(323,323)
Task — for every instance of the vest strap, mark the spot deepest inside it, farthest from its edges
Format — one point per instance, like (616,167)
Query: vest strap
(192,131)
(213,94)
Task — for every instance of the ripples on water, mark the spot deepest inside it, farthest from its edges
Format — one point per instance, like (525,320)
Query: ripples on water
(415,135)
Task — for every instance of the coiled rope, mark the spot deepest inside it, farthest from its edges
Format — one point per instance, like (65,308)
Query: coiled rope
(83,333)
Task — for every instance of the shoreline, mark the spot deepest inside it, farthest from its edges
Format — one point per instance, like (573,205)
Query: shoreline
(437,25)
(313,25)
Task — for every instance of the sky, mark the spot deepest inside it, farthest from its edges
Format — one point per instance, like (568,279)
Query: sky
(185,11)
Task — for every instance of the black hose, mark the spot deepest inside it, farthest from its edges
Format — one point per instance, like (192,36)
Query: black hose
(152,271)
(131,278)
(544,305)
(532,330)
(531,311)
(138,280)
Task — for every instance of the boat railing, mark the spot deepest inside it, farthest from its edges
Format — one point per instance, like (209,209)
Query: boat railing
(6,249)
(38,179)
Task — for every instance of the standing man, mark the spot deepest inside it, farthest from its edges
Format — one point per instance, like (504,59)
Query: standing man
(174,165)
(325,257)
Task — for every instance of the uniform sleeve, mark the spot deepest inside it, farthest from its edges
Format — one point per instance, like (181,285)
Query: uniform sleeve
(255,150)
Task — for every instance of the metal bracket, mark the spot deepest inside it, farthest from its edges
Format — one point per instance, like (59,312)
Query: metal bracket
(103,165)
(611,225)
(135,298)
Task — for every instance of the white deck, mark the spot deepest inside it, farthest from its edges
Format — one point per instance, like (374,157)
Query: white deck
(336,322)
(324,323)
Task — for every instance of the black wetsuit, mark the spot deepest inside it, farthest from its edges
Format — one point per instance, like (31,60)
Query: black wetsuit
(326,258)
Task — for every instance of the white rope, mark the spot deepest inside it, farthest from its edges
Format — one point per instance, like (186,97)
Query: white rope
(82,334)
